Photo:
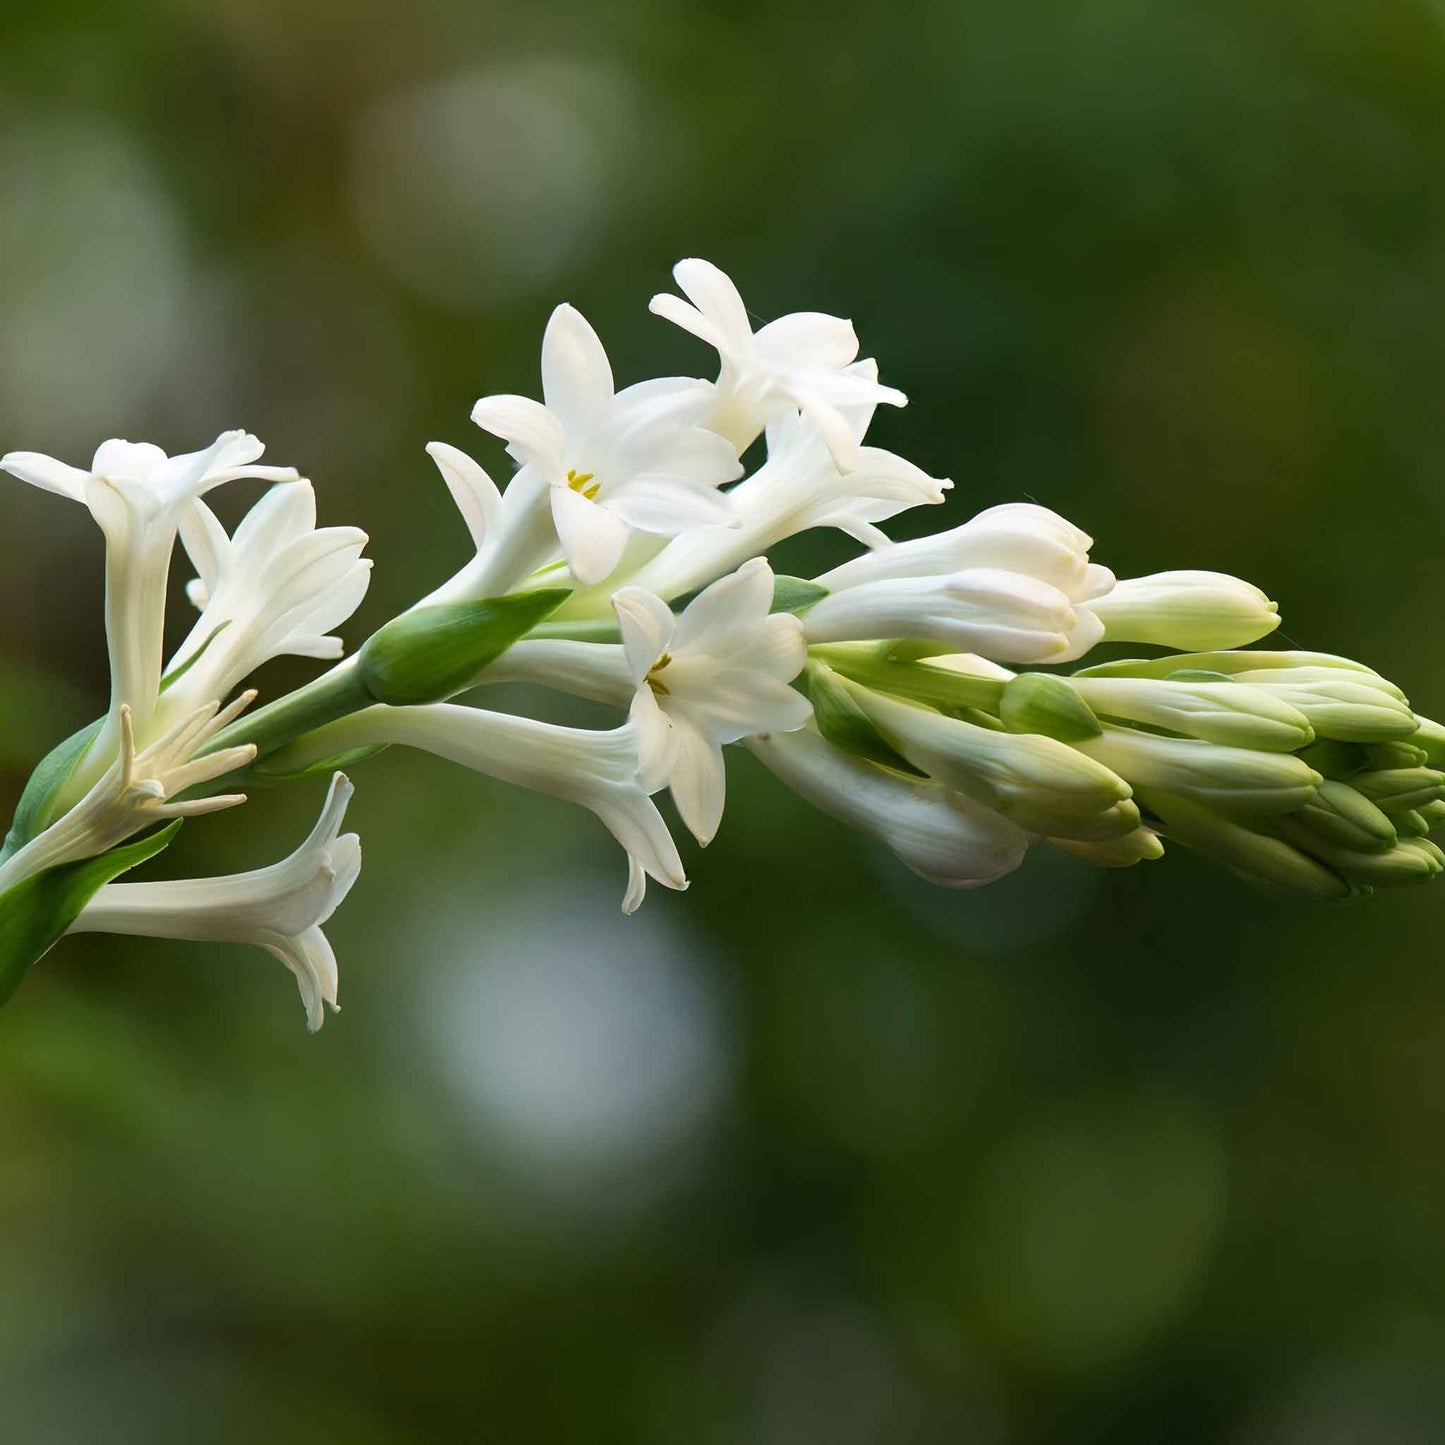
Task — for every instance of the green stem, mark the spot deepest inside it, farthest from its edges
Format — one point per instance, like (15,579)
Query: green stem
(939,687)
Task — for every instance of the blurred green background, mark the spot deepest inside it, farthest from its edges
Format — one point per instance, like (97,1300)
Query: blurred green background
(812,1153)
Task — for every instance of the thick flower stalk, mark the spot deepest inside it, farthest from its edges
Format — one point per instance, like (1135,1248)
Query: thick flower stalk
(933,694)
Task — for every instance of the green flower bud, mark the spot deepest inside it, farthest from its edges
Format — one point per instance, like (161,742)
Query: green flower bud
(1186,609)
(1217,712)
(1037,702)
(1267,863)
(1380,756)
(1236,781)
(1340,815)
(1140,846)
(1397,790)
(1229,663)
(844,724)
(431,653)
(1039,783)
(1433,814)
(1411,824)
(1430,738)
(1343,709)
(1415,860)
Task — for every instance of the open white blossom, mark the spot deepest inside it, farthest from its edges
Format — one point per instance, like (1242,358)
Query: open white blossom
(942,836)
(276,588)
(799,487)
(138,495)
(801,362)
(717,673)
(139,789)
(281,908)
(603,462)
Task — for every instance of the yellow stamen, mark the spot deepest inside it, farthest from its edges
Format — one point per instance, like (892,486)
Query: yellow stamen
(578,481)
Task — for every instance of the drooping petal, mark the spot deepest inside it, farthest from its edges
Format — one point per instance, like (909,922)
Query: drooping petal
(46,473)
(533,435)
(698,783)
(475,493)
(656,740)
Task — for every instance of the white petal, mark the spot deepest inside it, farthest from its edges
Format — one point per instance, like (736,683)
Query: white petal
(809,339)
(531,432)
(656,740)
(676,310)
(711,290)
(474,492)
(725,611)
(646,623)
(206,544)
(592,538)
(699,783)
(46,473)
(576,377)
(667,508)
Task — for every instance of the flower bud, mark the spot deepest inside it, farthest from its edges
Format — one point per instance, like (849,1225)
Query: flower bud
(1140,846)
(1038,702)
(1411,824)
(1346,710)
(1267,863)
(1039,783)
(1232,780)
(1414,860)
(1233,662)
(1430,738)
(1340,815)
(1397,790)
(1217,712)
(1187,610)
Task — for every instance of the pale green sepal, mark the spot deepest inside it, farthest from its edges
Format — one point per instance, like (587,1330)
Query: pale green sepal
(273,769)
(35,913)
(795,594)
(32,813)
(1340,815)
(1267,863)
(844,724)
(1037,702)
(431,653)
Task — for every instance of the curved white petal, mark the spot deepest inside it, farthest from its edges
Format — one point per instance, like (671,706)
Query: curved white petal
(647,625)
(576,376)
(46,473)
(698,783)
(533,435)
(592,538)
(477,496)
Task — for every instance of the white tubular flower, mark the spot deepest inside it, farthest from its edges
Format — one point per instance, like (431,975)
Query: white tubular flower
(281,908)
(801,362)
(599,770)
(1005,616)
(1192,611)
(943,837)
(607,461)
(800,486)
(276,588)
(717,673)
(1015,537)
(139,789)
(137,494)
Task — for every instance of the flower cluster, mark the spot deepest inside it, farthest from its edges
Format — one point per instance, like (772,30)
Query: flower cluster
(923,692)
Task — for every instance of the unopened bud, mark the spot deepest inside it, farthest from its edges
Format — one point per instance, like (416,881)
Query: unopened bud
(1037,702)
(1232,780)
(1217,712)
(1191,610)
(1397,790)
(1267,863)
(1338,708)
(1414,860)
(1340,815)
(1140,846)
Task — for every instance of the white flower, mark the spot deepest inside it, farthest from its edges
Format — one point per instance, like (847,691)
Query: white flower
(280,908)
(607,461)
(138,495)
(139,789)
(1005,616)
(276,588)
(942,836)
(1014,537)
(717,673)
(598,769)
(1192,611)
(799,487)
(801,362)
